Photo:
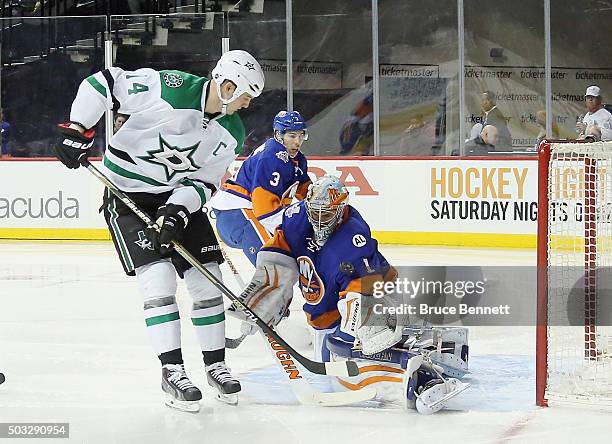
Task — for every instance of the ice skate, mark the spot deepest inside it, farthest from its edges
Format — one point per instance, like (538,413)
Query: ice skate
(220,378)
(180,392)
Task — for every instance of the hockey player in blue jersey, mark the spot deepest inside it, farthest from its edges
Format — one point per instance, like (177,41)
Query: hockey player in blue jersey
(325,245)
(249,206)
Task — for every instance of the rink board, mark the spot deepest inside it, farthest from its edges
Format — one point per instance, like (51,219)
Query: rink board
(413,201)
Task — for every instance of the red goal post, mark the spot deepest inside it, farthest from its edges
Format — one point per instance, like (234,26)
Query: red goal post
(573,333)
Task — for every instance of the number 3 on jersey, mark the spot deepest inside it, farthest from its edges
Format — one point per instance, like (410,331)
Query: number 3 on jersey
(137,88)
(275,179)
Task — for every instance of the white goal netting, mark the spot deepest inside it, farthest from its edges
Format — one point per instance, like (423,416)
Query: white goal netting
(579,332)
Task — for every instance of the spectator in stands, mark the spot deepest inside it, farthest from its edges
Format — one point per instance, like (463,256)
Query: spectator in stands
(5,128)
(592,133)
(596,115)
(118,121)
(482,144)
(474,131)
(418,136)
(493,116)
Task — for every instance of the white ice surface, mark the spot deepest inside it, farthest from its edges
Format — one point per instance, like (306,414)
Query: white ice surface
(74,349)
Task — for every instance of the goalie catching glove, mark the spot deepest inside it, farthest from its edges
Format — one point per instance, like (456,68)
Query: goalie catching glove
(72,146)
(269,293)
(172,220)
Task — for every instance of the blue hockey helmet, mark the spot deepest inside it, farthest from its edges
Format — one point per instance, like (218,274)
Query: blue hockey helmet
(289,121)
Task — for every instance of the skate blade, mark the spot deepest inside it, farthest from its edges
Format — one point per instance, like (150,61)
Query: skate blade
(183,406)
(461,387)
(428,408)
(231,399)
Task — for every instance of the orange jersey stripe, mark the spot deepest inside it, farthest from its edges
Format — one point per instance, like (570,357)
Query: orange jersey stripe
(263,234)
(368,381)
(278,241)
(236,188)
(380,368)
(365,285)
(264,201)
(326,320)
(302,190)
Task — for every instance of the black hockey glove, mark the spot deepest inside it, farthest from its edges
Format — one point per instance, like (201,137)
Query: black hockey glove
(172,220)
(72,145)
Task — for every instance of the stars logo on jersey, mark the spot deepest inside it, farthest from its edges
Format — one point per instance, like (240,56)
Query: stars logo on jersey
(311,284)
(143,242)
(172,80)
(173,159)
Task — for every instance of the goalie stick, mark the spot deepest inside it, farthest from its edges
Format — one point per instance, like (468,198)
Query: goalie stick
(301,387)
(344,368)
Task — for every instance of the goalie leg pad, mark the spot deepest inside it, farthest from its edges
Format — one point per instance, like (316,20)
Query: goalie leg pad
(270,292)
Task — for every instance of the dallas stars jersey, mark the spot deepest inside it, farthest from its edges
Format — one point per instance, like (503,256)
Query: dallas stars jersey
(166,143)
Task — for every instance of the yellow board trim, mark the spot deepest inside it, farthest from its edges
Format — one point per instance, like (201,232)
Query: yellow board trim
(493,240)
(55,233)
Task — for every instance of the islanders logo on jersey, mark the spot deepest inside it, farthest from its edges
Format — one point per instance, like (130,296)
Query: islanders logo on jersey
(311,284)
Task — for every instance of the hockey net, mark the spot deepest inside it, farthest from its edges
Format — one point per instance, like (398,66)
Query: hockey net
(574,333)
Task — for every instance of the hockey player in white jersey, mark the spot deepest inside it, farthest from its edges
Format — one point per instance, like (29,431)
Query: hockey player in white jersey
(181,135)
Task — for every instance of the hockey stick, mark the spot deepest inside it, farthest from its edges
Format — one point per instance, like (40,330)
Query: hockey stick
(301,387)
(232,343)
(345,368)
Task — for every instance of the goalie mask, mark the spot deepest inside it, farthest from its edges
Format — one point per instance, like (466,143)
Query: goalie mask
(243,70)
(325,202)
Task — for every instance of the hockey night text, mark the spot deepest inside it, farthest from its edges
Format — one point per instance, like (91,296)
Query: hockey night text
(481,194)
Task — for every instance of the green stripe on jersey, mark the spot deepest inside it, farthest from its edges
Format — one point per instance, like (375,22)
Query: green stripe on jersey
(123,249)
(182,90)
(208,320)
(129,174)
(97,85)
(233,123)
(199,188)
(162,318)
